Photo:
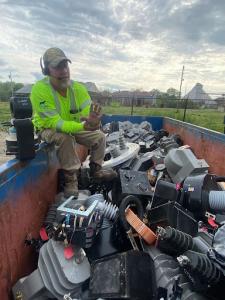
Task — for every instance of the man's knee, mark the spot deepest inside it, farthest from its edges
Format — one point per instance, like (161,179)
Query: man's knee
(101,137)
(58,138)
(64,139)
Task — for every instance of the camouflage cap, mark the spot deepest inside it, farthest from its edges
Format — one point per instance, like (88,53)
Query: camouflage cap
(53,56)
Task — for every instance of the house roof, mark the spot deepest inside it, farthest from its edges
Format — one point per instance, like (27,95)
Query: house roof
(197,94)
(220,100)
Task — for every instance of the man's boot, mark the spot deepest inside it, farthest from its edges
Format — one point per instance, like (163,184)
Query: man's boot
(71,184)
(98,173)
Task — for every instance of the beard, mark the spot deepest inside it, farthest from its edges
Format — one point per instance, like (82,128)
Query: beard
(64,83)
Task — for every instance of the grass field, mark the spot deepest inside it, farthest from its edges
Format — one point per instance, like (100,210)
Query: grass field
(211,119)
(4,113)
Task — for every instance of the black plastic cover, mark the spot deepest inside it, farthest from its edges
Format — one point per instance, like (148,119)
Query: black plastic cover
(129,275)
(21,107)
(135,183)
(164,192)
(174,215)
(25,139)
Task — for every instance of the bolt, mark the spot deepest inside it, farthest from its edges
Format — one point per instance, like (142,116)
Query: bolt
(183,260)
(19,295)
(79,256)
(161,232)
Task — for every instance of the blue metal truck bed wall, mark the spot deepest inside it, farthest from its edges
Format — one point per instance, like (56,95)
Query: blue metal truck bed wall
(28,188)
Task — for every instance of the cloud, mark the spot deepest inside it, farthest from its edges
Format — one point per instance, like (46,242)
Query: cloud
(118,43)
(3,63)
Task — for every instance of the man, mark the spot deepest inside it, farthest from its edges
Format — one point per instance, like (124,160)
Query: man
(59,106)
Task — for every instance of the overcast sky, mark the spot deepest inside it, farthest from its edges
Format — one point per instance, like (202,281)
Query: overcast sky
(118,44)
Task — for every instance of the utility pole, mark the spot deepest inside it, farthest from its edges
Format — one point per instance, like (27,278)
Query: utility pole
(132,104)
(181,82)
(11,82)
(185,108)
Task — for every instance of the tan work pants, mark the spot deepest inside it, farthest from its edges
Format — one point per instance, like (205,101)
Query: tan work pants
(65,146)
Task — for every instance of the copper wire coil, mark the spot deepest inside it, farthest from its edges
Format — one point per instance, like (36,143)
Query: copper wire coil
(144,231)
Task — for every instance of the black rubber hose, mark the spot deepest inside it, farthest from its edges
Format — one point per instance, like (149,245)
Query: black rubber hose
(51,215)
(220,178)
(178,240)
(207,270)
(133,202)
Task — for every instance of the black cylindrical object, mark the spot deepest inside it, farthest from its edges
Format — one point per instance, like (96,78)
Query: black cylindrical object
(130,201)
(196,194)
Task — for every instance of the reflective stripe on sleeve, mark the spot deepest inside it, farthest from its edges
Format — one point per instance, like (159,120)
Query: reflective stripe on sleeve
(85,104)
(59,125)
(48,113)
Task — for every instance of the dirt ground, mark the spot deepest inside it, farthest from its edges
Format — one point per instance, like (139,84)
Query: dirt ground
(3,157)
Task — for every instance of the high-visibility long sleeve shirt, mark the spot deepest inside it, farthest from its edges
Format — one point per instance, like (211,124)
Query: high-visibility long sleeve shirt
(52,110)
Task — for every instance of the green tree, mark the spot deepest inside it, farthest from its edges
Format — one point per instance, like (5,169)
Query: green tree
(6,89)
(173,92)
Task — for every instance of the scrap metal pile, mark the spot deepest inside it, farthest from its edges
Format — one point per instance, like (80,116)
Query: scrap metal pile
(156,232)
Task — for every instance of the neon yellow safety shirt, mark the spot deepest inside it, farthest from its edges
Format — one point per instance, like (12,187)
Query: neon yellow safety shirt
(52,110)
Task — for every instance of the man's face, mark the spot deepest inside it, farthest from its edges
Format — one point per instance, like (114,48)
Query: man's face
(60,75)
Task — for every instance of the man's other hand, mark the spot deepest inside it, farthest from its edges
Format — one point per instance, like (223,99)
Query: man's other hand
(94,118)
(89,127)
(96,109)
(92,122)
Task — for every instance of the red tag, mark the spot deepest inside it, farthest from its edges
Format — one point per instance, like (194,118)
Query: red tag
(68,252)
(43,234)
(178,186)
(212,222)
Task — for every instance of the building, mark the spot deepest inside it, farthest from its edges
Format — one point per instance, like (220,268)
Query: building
(91,87)
(198,96)
(220,103)
(101,97)
(137,98)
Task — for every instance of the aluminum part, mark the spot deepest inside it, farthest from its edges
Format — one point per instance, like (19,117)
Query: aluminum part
(131,151)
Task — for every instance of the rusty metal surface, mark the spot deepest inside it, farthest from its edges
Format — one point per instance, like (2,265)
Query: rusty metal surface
(26,190)
(206,143)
